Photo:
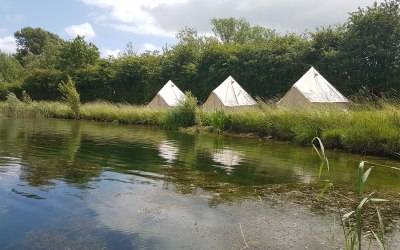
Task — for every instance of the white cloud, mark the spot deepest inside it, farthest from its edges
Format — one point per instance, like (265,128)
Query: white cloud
(8,44)
(109,52)
(84,29)
(132,16)
(143,30)
(150,47)
(166,17)
(284,15)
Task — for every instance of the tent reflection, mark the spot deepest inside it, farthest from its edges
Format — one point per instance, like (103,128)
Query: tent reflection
(227,158)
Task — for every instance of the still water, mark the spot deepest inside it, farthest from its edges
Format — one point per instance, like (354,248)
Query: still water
(86,185)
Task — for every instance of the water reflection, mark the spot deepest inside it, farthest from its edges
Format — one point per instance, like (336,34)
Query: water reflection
(111,182)
(227,159)
(168,151)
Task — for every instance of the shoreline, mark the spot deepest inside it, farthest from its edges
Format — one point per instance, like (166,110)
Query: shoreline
(368,131)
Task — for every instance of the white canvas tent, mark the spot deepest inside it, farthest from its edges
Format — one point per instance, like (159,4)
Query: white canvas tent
(229,95)
(170,95)
(312,88)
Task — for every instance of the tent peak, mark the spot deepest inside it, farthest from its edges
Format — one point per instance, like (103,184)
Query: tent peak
(229,94)
(169,95)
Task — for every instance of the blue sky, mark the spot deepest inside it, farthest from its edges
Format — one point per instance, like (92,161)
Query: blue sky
(150,24)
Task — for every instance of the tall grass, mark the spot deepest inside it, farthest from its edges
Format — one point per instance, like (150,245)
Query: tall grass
(122,113)
(358,129)
(96,111)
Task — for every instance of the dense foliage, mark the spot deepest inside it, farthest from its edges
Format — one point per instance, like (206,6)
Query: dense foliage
(364,52)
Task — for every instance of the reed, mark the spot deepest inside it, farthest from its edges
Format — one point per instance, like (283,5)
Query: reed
(352,222)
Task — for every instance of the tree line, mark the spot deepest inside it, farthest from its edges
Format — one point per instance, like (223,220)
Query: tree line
(363,52)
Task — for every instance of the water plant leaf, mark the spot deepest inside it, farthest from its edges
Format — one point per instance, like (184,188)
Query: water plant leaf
(366,174)
(321,166)
(381,227)
(360,178)
(347,215)
(315,148)
(381,246)
(363,202)
(383,165)
(378,200)
(326,187)
(321,154)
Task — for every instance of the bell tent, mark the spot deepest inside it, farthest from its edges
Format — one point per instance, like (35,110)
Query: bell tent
(170,95)
(229,95)
(312,88)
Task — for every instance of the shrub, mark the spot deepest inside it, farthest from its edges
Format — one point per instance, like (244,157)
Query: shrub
(13,105)
(26,98)
(41,84)
(70,95)
(183,115)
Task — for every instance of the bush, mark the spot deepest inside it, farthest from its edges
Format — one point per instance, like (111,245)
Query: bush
(13,105)
(3,91)
(183,115)
(42,84)
(26,98)
(70,95)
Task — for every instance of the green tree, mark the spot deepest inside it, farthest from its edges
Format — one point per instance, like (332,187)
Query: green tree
(327,55)
(129,51)
(232,30)
(10,68)
(371,47)
(77,54)
(94,81)
(227,29)
(34,41)
(48,59)
(128,83)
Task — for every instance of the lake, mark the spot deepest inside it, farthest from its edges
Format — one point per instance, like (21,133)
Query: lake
(88,185)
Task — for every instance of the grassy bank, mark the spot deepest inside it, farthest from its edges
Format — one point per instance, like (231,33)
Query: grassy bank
(97,111)
(361,129)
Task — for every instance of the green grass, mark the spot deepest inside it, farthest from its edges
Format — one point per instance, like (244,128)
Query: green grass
(96,111)
(363,128)
(122,113)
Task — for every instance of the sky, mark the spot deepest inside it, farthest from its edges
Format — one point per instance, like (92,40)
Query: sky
(152,24)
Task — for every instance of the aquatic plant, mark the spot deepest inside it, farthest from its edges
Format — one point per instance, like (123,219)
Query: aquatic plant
(352,222)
